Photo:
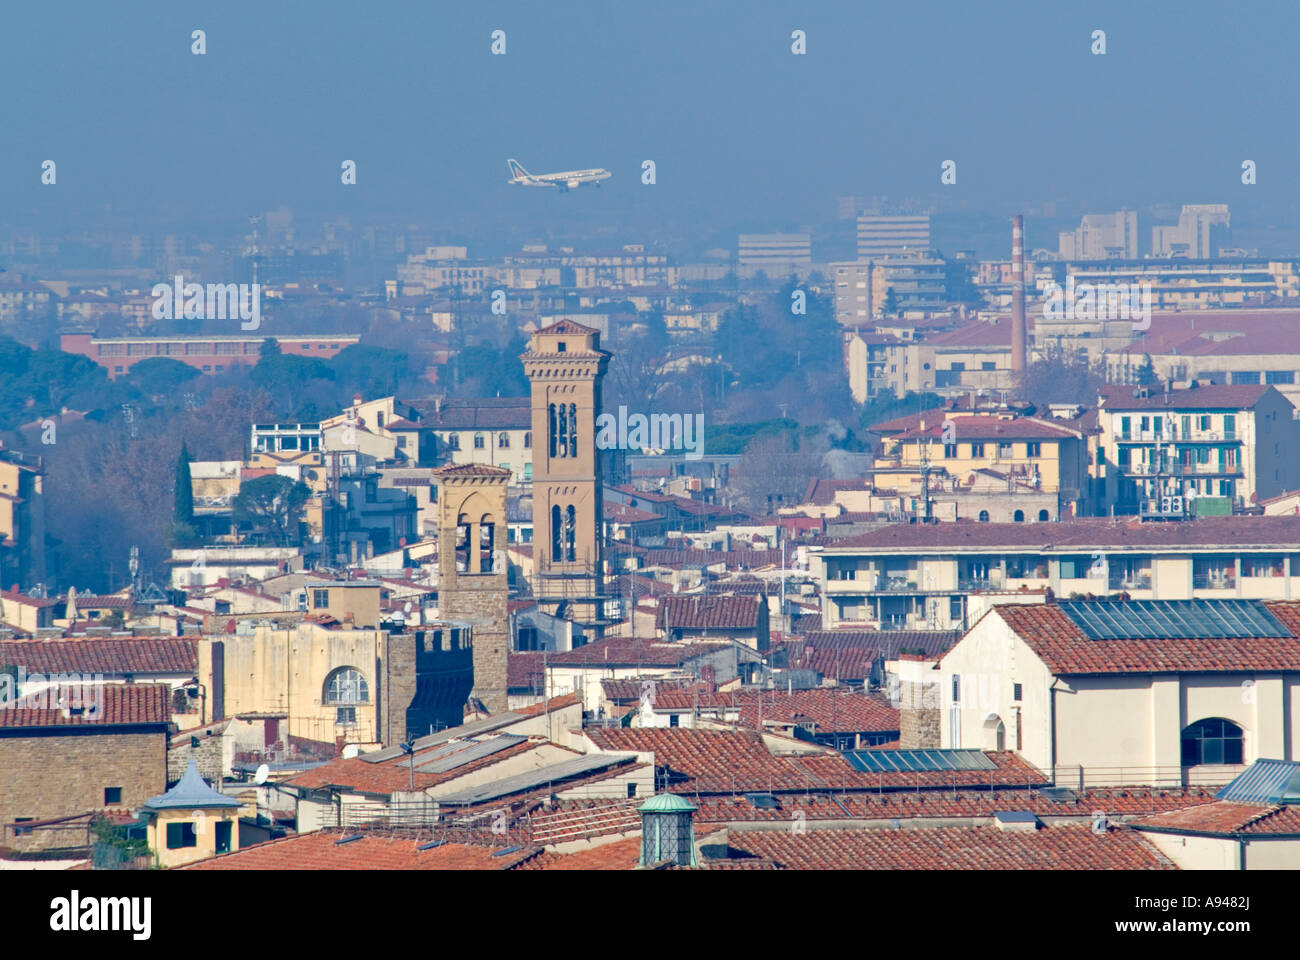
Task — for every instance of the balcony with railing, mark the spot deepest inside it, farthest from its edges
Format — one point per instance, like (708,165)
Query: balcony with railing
(1130,581)
(1214,580)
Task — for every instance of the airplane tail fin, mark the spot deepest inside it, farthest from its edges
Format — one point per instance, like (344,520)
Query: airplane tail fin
(516,170)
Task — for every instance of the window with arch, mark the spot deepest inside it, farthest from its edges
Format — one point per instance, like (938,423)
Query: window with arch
(346,685)
(1043,516)
(1018,516)
(570,532)
(478,441)
(984,516)
(557,533)
(1214,740)
(528,440)
(573,430)
(503,440)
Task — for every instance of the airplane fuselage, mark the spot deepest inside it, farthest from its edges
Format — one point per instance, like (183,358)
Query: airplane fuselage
(565,180)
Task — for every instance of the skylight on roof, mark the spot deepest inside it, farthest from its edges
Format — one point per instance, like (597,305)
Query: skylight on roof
(1164,619)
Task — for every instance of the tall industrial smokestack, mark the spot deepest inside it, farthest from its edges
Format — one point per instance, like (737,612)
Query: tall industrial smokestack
(1019,331)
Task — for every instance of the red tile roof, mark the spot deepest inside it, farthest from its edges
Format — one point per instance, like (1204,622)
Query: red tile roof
(630,651)
(705,612)
(1058,847)
(1213,397)
(968,426)
(829,710)
(390,776)
(1081,535)
(374,851)
(524,670)
(717,761)
(108,655)
(1066,650)
(470,470)
(622,854)
(1226,818)
(107,705)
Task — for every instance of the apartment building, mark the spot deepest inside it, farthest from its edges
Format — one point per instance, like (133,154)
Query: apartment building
(1201,230)
(1213,449)
(776,254)
(22,520)
(880,236)
(852,292)
(497,431)
(913,279)
(947,450)
(1235,347)
(208,354)
(1102,236)
(933,576)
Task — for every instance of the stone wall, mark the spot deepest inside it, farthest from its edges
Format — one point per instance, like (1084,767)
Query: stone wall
(46,777)
(918,716)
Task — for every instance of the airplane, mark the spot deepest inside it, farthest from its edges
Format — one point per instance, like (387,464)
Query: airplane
(566,180)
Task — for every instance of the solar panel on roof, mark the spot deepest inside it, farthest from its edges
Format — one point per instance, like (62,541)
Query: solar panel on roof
(918,761)
(355,836)
(1173,619)
(431,844)
(502,853)
(470,753)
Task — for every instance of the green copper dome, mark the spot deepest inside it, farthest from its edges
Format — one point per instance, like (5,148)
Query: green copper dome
(666,803)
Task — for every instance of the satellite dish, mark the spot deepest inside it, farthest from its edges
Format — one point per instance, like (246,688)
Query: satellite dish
(350,751)
(263,772)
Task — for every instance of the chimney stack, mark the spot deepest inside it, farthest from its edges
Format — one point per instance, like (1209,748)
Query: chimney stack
(1018,327)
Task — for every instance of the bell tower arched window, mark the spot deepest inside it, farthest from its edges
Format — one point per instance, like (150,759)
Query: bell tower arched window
(557,533)
(570,532)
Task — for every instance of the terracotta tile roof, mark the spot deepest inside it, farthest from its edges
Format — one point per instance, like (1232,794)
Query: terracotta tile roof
(15,596)
(108,655)
(831,710)
(374,851)
(721,761)
(111,704)
(492,413)
(1080,535)
(630,651)
(387,777)
(567,326)
(1226,818)
(1065,649)
(471,470)
(970,426)
(622,854)
(524,670)
(621,513)
(1214,397)
(704,612)
(1058,847)
(964,802)
(847,654)
(556,703)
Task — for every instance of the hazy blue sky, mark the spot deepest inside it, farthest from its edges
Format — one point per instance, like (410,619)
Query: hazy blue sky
(741,129)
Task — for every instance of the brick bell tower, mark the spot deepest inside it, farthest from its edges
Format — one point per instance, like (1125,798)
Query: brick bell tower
(472,569)
(565,365)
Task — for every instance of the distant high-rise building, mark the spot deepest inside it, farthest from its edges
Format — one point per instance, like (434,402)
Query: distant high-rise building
(880,236)
(1202,229)
(774,253)
(1102,236)
(852,292)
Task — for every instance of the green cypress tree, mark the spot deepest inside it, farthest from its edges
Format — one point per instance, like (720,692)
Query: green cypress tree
(184,490)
